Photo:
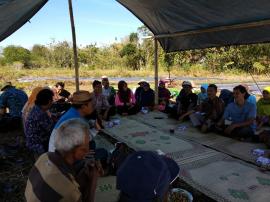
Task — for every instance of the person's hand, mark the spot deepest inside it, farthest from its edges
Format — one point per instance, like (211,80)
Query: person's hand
(229,129)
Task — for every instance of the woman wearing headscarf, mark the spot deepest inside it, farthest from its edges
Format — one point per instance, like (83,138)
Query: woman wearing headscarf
(125,100)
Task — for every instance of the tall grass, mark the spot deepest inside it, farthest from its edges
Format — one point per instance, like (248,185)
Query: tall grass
(12,74)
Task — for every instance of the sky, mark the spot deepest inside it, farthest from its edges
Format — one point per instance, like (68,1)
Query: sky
(96,21)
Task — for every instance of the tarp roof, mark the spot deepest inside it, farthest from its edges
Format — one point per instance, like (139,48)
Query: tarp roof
(194,24)
(15,13)
(177,24)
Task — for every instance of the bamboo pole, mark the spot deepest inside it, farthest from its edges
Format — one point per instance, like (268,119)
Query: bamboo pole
(75,53)
(156,71)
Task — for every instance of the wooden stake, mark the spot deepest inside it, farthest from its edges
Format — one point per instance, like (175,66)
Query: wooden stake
(75,53)
(156,72)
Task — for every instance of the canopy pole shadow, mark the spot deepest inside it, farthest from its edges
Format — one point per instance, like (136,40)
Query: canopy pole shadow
(75,52)
(156,70)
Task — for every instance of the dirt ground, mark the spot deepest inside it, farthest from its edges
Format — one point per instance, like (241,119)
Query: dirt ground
(16,162)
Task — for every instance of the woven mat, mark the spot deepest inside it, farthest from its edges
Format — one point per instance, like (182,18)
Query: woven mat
(220,143)
(142,137)
(106,190)
(212,172)
(226,179)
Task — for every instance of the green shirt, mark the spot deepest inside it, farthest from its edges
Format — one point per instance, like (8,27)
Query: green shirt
(263,107)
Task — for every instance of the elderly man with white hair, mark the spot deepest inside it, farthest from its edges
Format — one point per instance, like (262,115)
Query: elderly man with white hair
(54,177)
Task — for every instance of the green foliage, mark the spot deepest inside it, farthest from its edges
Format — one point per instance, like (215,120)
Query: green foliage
(133,37)
(17,54)
(128,50)
(62,54)
(136,52)
(40,56)
(132,55)
(89,55)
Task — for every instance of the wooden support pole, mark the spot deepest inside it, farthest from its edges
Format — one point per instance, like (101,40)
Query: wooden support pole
(156,71)
(75,53)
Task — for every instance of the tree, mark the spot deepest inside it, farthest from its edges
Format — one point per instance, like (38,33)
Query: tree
(17,54)
(132,56)
(62,54)
(40,56)
(134,38)
(88,55)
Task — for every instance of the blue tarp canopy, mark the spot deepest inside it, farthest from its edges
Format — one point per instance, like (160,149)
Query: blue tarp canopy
(15,13)
(177,24)
(194,24)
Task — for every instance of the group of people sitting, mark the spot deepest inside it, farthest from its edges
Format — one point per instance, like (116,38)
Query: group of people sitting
(68,163)
(238,117)
(60,131)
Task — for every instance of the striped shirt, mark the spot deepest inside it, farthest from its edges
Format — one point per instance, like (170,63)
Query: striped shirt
(51,179)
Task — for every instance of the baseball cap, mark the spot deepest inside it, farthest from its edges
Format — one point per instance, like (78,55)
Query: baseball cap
(81,97)
(186,83)
(104,77)
(145,175)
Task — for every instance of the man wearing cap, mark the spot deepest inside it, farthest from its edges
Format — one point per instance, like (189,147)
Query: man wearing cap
(139,89)
(145,177)
(186,101)
(12,99)
(107,90)
(81,107)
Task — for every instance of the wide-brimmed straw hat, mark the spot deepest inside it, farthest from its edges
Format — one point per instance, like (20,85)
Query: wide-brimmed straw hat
(81,97)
